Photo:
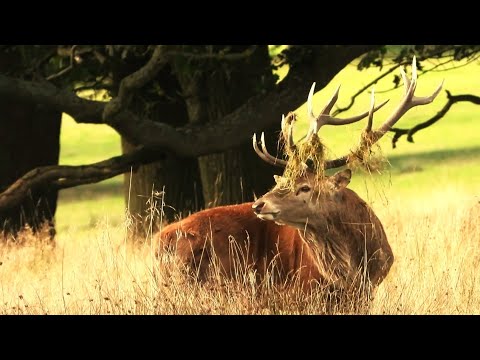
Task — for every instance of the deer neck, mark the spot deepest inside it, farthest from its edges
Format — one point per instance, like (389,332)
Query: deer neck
(322,234)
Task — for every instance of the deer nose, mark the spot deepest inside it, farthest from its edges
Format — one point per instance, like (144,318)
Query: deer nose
(258,206)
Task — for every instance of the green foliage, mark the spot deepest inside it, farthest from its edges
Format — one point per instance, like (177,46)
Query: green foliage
(295,54)
(466,51)
(397,54)
(373,58)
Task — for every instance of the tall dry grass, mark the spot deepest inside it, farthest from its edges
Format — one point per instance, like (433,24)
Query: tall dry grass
(436,242)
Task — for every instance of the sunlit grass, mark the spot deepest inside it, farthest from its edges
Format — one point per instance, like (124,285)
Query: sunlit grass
(428,201)
(434,239)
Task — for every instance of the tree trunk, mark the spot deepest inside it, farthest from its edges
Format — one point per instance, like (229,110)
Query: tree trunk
(174,182)
(165,190)
(29,137)
(234,175)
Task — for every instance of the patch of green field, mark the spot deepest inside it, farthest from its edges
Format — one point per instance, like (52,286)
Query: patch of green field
(82,206)
(81,143)
(444,155)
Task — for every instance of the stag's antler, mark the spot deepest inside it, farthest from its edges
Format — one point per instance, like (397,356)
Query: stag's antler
(287,129)
(324,118)
(370,136)
(316,122)
(287,133)
(264,154)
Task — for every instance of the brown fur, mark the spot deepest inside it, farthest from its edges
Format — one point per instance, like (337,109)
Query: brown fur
(347,236)
(328,249)
(226,230)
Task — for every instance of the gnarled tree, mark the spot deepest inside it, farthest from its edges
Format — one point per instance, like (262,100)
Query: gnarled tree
(185,114)
(29,138)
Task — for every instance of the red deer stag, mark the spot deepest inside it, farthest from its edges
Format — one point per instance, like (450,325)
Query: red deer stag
(320,231)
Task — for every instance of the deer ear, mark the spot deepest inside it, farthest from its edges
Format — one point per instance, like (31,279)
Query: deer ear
(341,179)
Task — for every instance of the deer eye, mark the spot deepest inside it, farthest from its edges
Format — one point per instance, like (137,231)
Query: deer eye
(304,188)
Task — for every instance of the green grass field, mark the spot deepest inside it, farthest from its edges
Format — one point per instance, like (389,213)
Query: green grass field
(428,200)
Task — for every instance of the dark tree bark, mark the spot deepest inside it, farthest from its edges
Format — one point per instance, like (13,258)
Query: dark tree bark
(232,176)
(172,181)
(318,64)
(29,138)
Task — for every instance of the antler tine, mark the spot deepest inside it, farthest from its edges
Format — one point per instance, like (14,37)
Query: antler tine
(264,155)
(290,142)
(414,70)
(371,111)
(283,126)
(322,119)
(406,81)
(313,129)
(335,121)
(326,110)
(287,129)
(326,119)
(428,99)
(309,102)
(280,162)
(408,101)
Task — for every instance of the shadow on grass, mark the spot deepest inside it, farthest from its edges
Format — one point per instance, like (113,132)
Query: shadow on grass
(413,162)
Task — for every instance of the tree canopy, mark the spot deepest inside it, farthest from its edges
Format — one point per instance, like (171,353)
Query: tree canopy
(55,77)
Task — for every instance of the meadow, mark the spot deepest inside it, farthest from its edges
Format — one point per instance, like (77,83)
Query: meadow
(428,198)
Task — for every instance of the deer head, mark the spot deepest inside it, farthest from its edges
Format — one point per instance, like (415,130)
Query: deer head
(287,206)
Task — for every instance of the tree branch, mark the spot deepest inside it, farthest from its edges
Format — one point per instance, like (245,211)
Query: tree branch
(45,93)
(218,56)
(363,89)
(133,82)
(94,85)
(193,140)
(374,81)
(68,68)
(64,176)
(155,138)
(452,99)
(43,60)
(189,141)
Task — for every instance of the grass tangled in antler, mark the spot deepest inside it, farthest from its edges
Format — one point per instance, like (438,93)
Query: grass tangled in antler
(367,157)
(311,153)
